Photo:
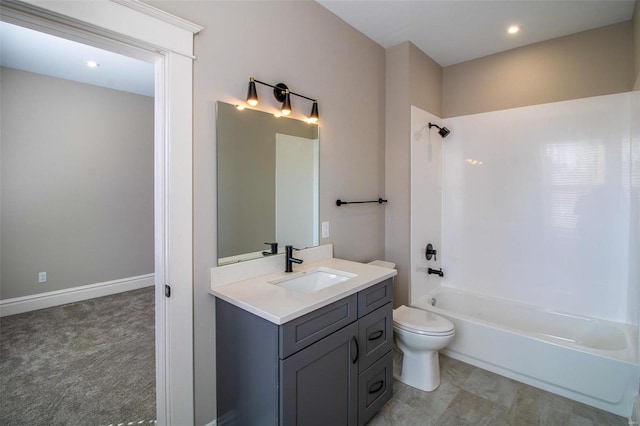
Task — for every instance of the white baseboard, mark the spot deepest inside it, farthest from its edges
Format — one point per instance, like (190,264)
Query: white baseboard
(18,305)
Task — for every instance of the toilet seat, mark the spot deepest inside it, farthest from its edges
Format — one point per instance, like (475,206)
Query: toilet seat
(423,322)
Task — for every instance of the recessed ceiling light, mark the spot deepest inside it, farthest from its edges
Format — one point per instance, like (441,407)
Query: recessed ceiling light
(513,29)
(92,64)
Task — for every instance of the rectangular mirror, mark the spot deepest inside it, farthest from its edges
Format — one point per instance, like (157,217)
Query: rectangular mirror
(268,183)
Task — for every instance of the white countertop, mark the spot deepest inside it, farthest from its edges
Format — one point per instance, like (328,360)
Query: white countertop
(280,305)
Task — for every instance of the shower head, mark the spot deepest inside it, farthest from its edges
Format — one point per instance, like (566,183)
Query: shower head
(442,131)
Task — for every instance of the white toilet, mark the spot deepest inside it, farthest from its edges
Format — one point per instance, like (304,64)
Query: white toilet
(419,335)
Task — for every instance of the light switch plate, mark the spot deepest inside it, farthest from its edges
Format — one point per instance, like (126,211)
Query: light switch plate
(325,229)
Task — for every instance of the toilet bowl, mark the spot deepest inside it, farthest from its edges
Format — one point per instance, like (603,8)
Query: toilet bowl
(419,335)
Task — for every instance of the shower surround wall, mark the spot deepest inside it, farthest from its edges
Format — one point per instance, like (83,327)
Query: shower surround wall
(426,201)
(537,206)
(634,234)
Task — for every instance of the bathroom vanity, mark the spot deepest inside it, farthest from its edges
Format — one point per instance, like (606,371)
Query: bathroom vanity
(290,355)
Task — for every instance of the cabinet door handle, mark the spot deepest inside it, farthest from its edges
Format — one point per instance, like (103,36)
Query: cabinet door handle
(376,386)
(376,335)
(355,359)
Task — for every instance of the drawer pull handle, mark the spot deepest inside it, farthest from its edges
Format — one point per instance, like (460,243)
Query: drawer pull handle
(376,386)
(376,335)
(355,359)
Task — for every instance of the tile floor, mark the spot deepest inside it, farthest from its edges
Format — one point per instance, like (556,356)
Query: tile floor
(471,396)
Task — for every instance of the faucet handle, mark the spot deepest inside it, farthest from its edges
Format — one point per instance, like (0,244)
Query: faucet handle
(430,251)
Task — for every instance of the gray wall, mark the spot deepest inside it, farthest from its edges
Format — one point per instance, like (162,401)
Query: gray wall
(77,184)
(590,63)
(318,55)
(413,78)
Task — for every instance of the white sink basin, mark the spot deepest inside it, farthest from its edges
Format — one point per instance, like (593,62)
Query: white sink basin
(313,279)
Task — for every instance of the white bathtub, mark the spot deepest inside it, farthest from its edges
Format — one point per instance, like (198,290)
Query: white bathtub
(588,360)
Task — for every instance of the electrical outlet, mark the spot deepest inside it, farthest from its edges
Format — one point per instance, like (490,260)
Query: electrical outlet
(325,229)
(42,277)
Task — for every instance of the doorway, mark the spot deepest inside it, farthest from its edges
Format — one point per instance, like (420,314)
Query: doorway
(168,42)
(77,215)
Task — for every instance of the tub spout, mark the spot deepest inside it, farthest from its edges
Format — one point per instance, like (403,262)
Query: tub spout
(435,271)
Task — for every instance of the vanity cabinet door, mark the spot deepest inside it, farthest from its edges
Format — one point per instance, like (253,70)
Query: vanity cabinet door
(319,384)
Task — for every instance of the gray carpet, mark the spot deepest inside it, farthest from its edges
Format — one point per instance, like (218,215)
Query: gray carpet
(86,363)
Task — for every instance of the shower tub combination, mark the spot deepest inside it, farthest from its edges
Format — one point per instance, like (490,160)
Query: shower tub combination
(588,360)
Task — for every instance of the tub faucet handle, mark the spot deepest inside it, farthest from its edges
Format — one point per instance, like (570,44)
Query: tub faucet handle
(430,251)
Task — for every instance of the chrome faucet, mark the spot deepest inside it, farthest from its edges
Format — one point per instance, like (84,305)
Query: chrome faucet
(289,259)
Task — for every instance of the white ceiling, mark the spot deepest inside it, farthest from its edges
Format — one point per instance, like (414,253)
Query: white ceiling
(449,31)
(454,31)
(40,53)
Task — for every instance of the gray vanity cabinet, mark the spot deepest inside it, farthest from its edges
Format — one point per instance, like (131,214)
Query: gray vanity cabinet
(332,366)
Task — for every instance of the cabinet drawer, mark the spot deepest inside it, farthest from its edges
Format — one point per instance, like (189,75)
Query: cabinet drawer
(302,332)
(375,388)
(375,296)
(375,335)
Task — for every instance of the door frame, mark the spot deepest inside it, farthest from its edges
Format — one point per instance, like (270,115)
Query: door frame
(136,29)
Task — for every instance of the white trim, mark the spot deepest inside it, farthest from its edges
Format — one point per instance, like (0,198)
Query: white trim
(118,25)
(132,25)
(160,14)
(212,423)
(18,305)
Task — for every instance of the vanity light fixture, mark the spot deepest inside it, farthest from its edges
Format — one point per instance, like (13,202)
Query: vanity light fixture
(282,94)
(286,104)
(252,93)
(313,117)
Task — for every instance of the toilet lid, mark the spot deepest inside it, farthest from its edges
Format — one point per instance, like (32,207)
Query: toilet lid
(421,321)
